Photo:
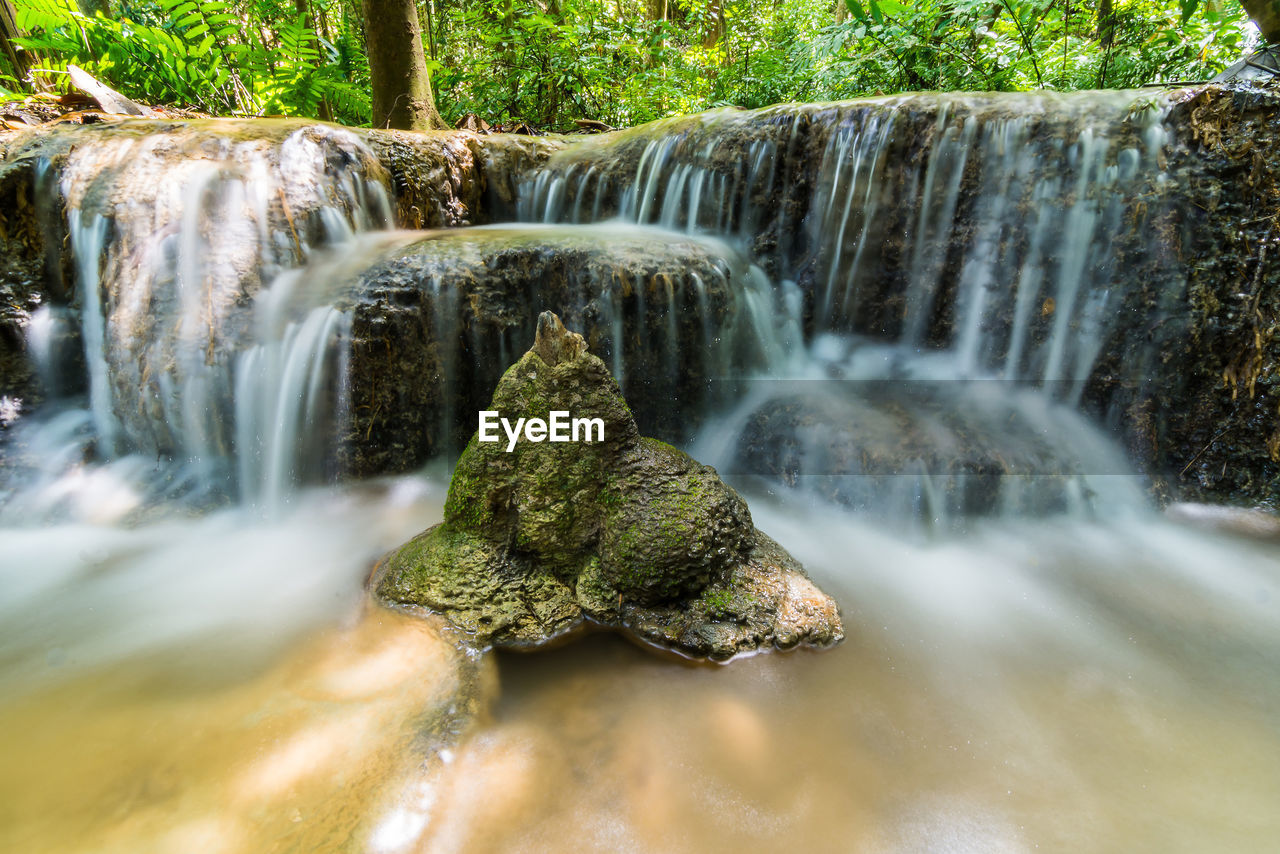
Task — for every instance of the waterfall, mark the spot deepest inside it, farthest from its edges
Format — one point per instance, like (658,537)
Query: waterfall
(443,314)
(280,403)
(203,348)
(938,205)
(87,241)
(937,242)
(950,268)
(907,328)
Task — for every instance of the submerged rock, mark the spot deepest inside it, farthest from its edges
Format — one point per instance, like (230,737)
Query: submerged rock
(931,451)
(540,537)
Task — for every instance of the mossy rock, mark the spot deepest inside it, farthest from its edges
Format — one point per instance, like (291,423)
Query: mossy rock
(622,531)
(674,528)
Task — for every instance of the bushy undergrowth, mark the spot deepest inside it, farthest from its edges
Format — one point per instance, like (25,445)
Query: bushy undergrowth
(547,62)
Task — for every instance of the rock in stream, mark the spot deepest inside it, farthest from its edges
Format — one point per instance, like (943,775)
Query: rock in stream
(625,532)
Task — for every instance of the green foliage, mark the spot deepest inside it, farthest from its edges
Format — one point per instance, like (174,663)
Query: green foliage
(548,62)
(543,64)
(1022,44)
(220,57)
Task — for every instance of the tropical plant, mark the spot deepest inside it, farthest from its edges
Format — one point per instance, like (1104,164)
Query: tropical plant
(206,54)
(547,62)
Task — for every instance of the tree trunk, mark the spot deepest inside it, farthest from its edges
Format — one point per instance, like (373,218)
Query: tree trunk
(431,28)
(8,32)
(1266,14)
(715,24)
(402,97)
(1106,25)
(95,7)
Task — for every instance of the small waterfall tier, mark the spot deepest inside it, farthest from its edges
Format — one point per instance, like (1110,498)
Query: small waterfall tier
(439,317)
(179,239)
(935,305)
(1048,245)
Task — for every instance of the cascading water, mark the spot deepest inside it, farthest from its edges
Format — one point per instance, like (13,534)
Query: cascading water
(440,316)
(901,248)
(199,345)
(993,256)
(901,307)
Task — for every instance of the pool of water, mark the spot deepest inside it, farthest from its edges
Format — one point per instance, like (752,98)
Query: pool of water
(221,684)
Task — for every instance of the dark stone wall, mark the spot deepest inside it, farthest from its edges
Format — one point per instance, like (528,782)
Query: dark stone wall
(435,326)
(1207,423)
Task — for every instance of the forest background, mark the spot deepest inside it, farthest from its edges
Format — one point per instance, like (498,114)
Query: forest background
(548,63)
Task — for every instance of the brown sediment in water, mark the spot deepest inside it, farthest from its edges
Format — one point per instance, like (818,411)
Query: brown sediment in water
(300,756)
(595,747)
(1033,687)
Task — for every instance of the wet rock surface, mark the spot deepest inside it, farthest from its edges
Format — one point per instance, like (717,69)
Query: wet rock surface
(625,532)
(1184,375)
(1206,418)
(444,179)
(31,266)
(1179,276)
(816,192)
(177,225)
(157,235)
(435,324)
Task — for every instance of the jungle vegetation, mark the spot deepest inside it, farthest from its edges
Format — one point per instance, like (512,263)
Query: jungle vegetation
(617,62)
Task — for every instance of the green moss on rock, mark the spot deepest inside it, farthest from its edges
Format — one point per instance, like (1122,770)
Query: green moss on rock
(626,532)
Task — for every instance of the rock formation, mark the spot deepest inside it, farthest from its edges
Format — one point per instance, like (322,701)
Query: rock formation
(437,321)
(1171,338)
(623,531)
(1181,268)
(216,207)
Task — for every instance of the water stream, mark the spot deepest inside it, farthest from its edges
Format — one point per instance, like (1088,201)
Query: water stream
(910,295)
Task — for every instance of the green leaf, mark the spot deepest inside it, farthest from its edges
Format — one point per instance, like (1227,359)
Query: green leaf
(855,9)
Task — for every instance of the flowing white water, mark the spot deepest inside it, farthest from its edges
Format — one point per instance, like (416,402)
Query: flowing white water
(1051,667)
(87,238)
(197,355)
(48,343)
(989,263)
(1028,687)
(977,208)
(849,196)
(661,308)
(202,592)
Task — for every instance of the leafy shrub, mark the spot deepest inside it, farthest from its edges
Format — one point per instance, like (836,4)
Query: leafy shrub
(548,62)
(205,54)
